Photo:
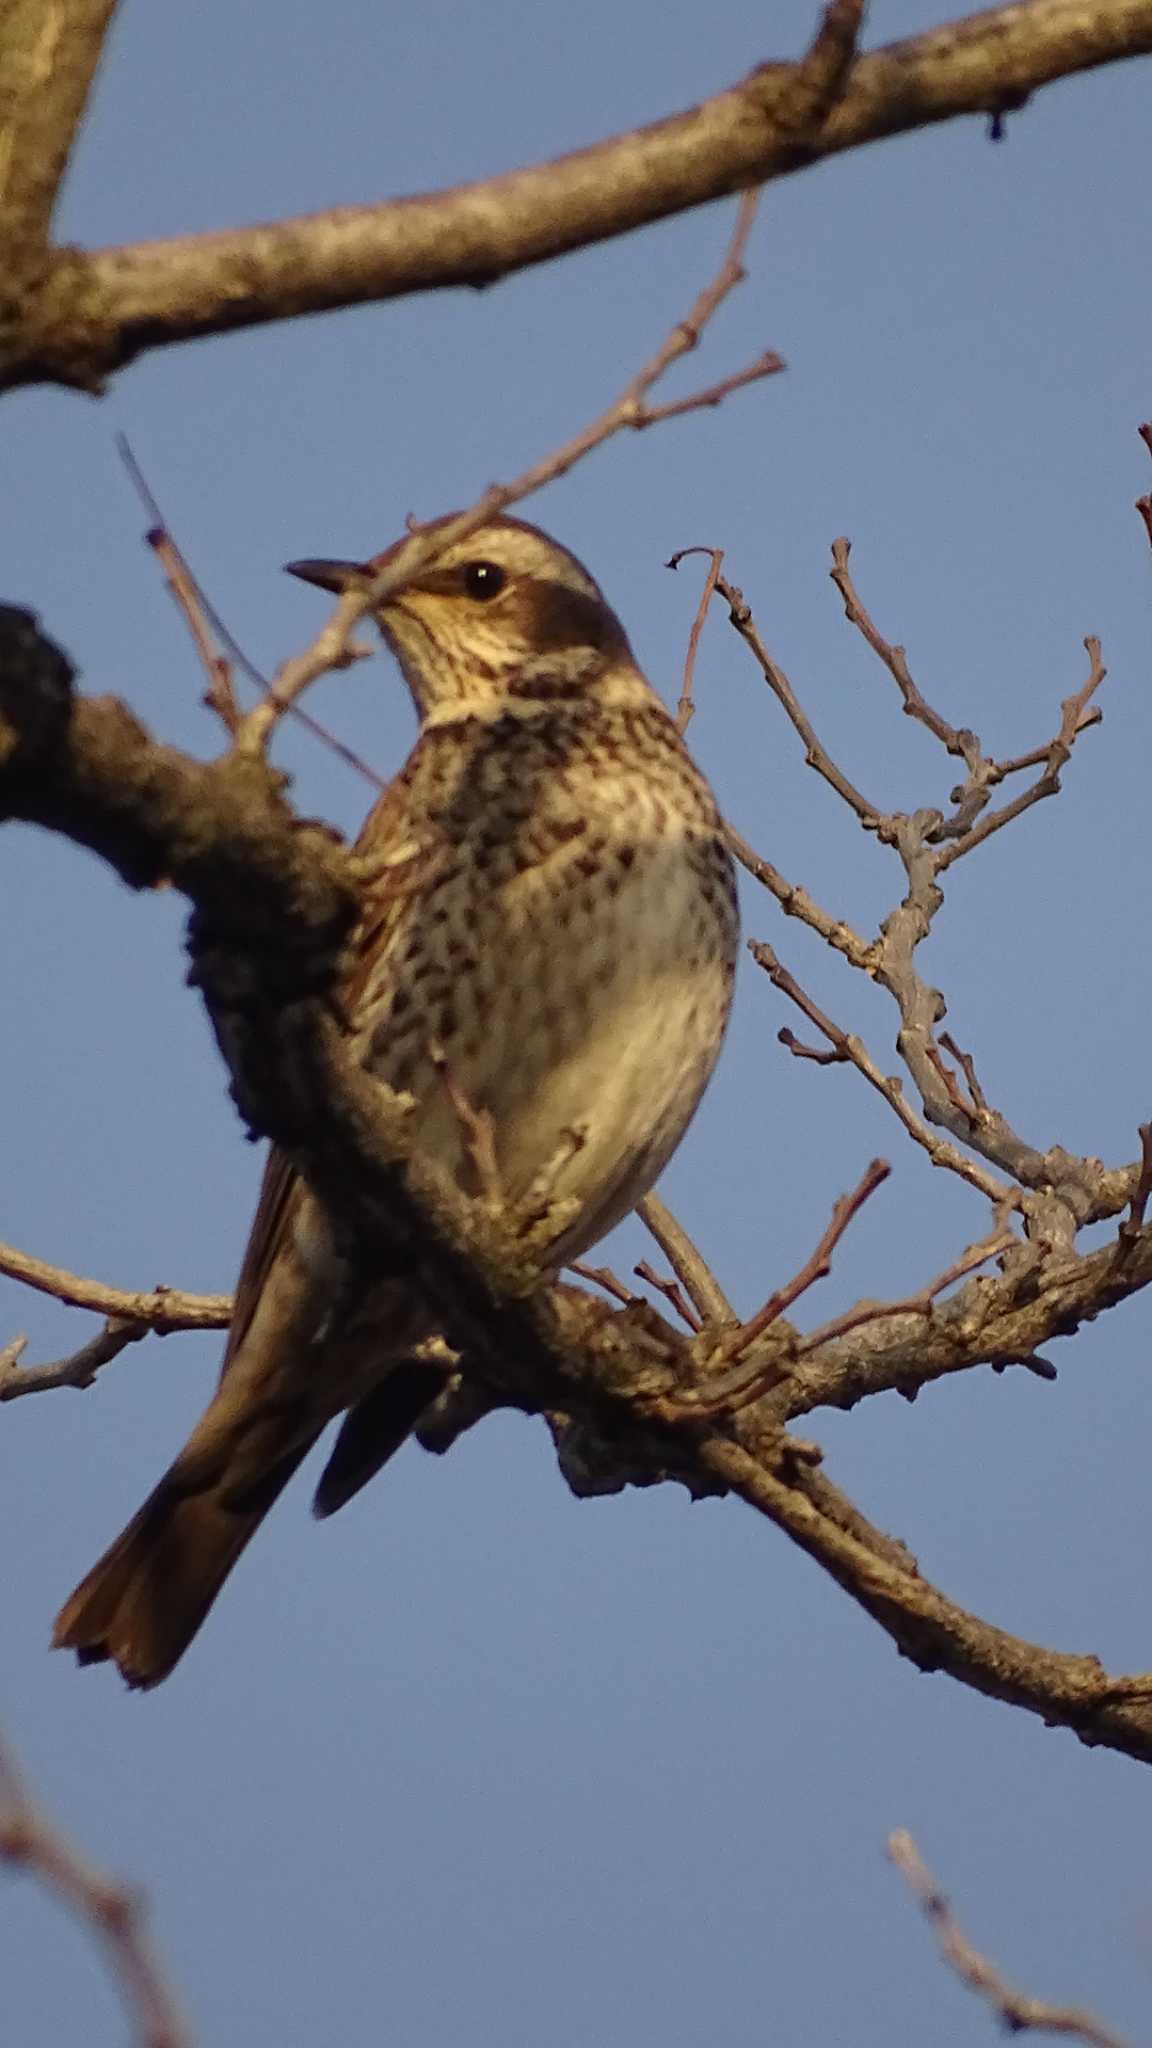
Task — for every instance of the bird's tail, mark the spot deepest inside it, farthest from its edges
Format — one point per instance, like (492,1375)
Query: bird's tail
(143,1602)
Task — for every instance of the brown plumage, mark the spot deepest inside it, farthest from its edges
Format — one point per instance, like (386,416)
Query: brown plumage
(549,933)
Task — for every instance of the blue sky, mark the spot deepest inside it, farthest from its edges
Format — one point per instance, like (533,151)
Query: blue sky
(476,1763)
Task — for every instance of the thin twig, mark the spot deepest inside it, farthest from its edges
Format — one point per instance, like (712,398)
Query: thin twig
(895,660)
(1072,723)
(851,1048)
(204,621)
(796,902)
(221,695)
(1016,2011)
(687,1261)
(827,1056)
(603,1276)
(1144,504)
(30,1841)
(816,1267)
(922,1303)
(79,1369)
(162,1309)
(424,544)
(687,702)
(815,753)
(673,1294)
(967,1067)
(727,1393)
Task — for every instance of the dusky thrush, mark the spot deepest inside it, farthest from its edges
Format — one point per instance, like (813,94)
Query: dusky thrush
(548,936)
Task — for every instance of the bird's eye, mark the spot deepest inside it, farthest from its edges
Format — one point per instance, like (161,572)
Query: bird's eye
(484,580)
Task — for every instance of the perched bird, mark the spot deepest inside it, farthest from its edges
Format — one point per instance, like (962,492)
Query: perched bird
(546,952)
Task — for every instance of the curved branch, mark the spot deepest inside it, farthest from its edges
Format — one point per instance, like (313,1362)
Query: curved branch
(931,1630)
(93,313)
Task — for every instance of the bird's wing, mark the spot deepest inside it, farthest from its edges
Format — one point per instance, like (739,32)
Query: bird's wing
(394,867)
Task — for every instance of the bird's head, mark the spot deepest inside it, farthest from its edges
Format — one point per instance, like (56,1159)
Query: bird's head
(505,618)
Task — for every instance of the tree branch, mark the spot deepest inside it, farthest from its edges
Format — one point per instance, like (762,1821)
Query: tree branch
(29,1841)
(273,905)
(93,313)
(162,1309)
(48,56)
(1016,2011)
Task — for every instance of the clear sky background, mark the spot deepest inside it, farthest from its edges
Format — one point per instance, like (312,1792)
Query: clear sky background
(477,1765)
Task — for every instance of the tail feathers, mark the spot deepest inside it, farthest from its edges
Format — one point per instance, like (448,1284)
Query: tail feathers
(373,1430)
(144,1601)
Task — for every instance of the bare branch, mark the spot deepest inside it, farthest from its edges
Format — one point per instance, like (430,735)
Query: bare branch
(852,1049)
(603,1276)
(273,905)
(206,627)
(1016,2011)
(79,1369)
(93,313)
(796,902)
(29,1841)
(816,1267)
(895,661)
(425,543)
(815,754)
(993,1246)
(721,1393)
(933,1631)
(1071,1191)
(687,1262)
(1144,504)
(673,1294)
(687,703)
(48,57)
(1072,723)
(967,1067)
(159,1308)
(221,694)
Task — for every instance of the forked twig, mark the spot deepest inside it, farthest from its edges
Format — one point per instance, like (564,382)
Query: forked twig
(672,1292)
(630,411)
(816,1267)
(852,1049)
(727,1393)
(208,628)
(79,1369)
(998,1241)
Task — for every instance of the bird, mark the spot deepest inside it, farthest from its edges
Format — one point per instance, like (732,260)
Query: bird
(545,955)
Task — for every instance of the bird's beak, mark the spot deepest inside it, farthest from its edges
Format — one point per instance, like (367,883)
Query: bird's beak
(336,576)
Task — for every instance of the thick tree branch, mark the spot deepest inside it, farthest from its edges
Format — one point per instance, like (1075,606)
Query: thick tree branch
(93,313)
(49,50)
